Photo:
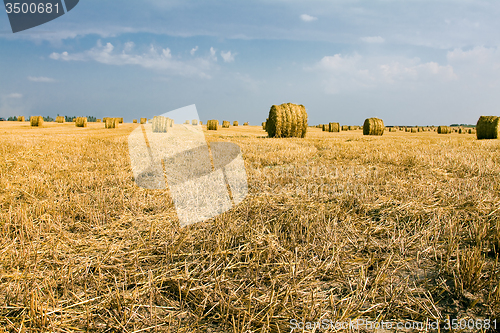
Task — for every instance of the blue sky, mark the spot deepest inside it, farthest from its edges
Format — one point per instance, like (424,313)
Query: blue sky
(408,62)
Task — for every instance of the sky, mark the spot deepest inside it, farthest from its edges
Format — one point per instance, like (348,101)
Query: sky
(409,62)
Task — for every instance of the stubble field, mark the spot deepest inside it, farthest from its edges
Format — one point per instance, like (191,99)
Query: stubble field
(336,226)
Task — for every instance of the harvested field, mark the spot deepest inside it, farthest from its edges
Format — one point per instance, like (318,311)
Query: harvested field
(399,227)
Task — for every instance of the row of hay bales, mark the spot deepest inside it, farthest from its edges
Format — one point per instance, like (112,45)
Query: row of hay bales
(335,127)
(213,124)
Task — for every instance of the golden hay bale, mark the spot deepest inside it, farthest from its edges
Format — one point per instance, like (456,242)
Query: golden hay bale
(264,125)
(488,127)
(413,130)
(287,120)
(110,123)
(98,120)
(134,121)
(194,122)
(120,120)
(161,124)
(21,118)
(201,123)
(74,120)
(373,126)
(36,121)
(333,127)
(60,119)
(212,125)
(187,122)
(345,127)
(81,122)
(225,124)
(143,120)
(245,124)
(444,130)
(235,123)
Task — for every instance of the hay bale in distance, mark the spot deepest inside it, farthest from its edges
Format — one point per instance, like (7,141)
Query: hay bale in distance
(414,130)
(333,127)
(110,123)
(36,121)
(161,124)
(225,124)
(345,127)
(264,125)
(235,123)
(245,124)
(194,122)
(373,126)
(98,121)
(21,118)
(444,130)
(60,119)
(81,122)
(143,120)
(120,120)
(287,120)
(488,127)
(212,125)
(134,121)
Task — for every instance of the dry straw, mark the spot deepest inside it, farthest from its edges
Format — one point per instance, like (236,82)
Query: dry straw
(81,122)
(194,122)
(225,124)
(212,125)
(60,119)
(36,121)
(235,123)
(325,127)
(333,127)
(444,130)
(373,126)
(287,120)
(187,122)
(98,120)
(201,123)
(245,124)
(110,123)
(414,130)
(143,120)
(21,118)
(120,120)
(134,121)
(488,127)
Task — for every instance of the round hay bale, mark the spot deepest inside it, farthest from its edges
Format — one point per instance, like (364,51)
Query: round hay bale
(212,125)
(324,127)
(134,121)
(413,130)
(488,127)
(143,120)
(345,127)
(287,120)
(110,123)
(444,130)
(21,118)
(235,123)
(194,122)
(225,124)
(60,119)
(81,122)
(161,124)
(99,121)
(373,126)
(333,127)
(201,123)
(36,121)
(264,125)
(245,124)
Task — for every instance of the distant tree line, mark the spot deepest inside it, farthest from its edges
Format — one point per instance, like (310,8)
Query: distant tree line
(69,119)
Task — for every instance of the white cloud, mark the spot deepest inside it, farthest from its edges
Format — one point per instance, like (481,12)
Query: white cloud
(41,79)
(155,59)
(353,72)
(213,54)
(14,95)
(227,56)
(193,50)
(373,39)
(307,18)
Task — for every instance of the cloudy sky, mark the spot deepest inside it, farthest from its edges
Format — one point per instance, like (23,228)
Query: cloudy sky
(411,62)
